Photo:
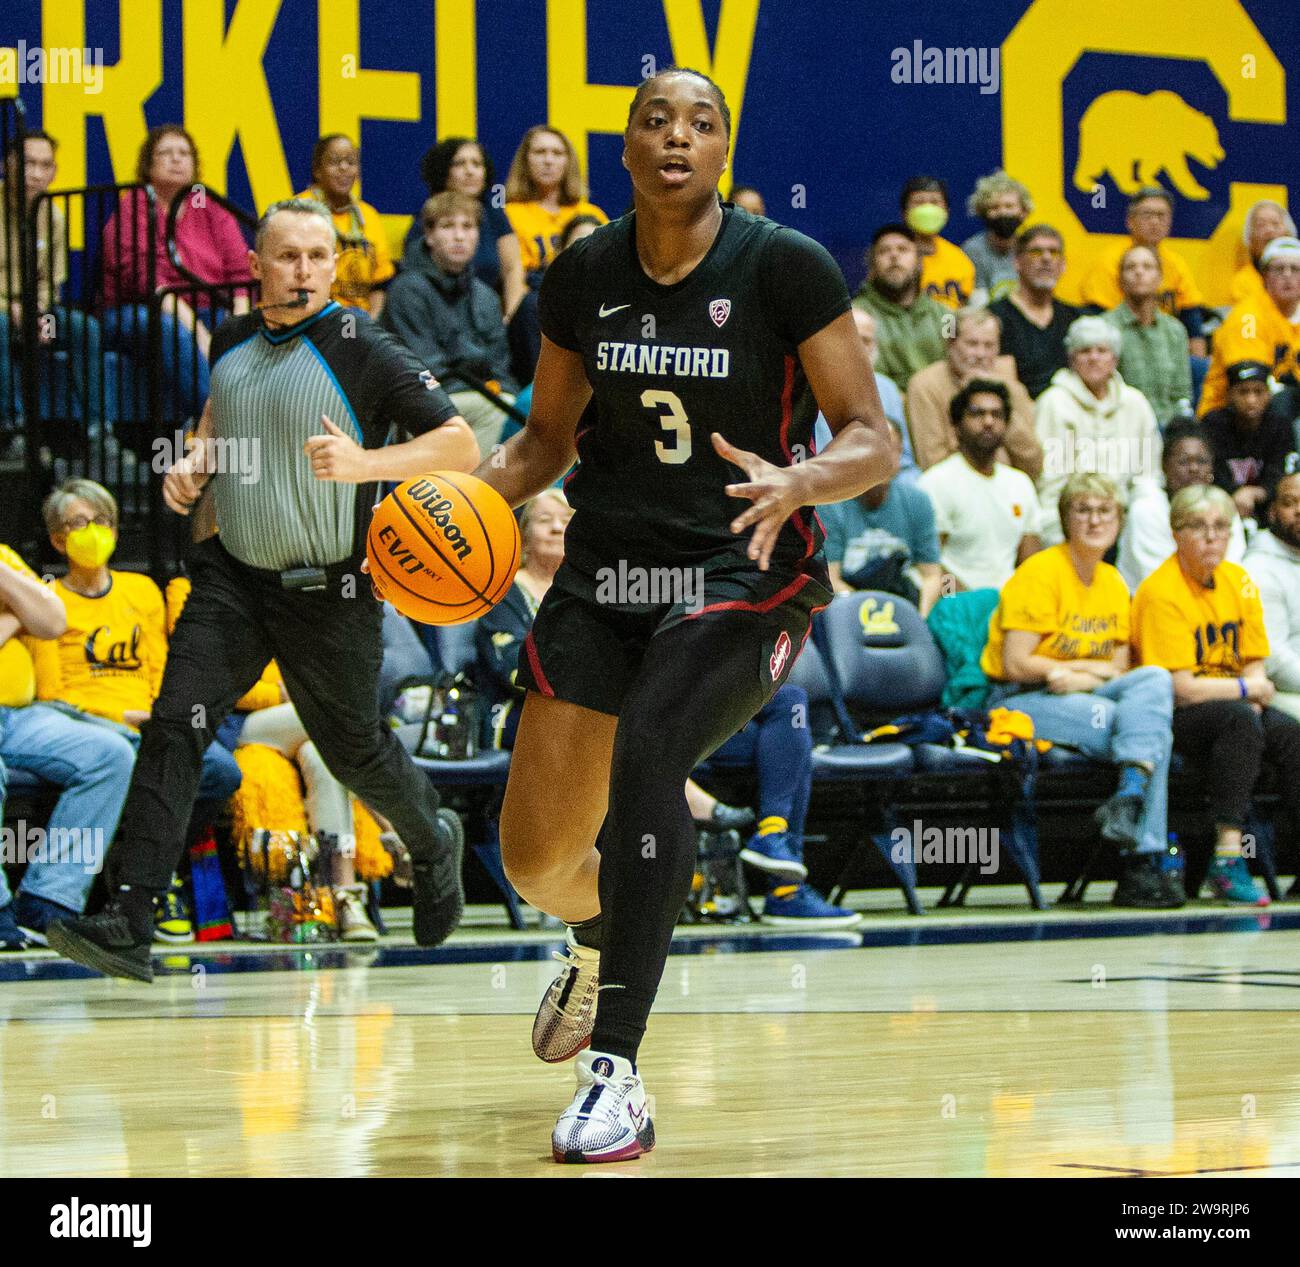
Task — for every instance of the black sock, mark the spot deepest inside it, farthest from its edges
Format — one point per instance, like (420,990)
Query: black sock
(590,933)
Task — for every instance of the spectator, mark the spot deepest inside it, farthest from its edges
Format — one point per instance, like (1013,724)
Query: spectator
(1090,420)
(210,245)
(777,743)
(1265,221)
(747,198)
(89,764)
(108,663)
(1153,350)
(364,265)
(1250,441)
(525,331)
(1004,205)
(947,274)
(885,539)
(1273,562)
(1059,649)
(909,325)
(891,401)
(1265,328)
(462,165)
(986,512)
(1147,541)
(1150,217)
(450,319)
(1034,321)
(972,353)
(60,328)
(544,191)
(1199,616)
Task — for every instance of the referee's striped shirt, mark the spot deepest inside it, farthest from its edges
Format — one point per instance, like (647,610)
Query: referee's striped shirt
(269,390)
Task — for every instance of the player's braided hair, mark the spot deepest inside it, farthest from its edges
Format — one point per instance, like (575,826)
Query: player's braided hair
(723,109)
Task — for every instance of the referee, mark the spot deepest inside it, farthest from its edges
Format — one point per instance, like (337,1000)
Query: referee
(309,389)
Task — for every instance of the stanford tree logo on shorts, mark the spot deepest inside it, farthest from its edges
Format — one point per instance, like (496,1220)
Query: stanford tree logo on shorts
(780,655)
(720,310)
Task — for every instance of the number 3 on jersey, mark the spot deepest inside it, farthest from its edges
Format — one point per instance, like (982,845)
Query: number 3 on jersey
(675,421)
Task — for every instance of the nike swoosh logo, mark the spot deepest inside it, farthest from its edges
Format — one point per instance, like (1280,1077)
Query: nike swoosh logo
(609,312)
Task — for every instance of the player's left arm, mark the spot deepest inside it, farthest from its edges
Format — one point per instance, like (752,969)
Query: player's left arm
(859,456)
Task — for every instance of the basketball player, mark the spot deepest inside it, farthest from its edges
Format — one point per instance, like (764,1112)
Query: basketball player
(700,330)
(282,579)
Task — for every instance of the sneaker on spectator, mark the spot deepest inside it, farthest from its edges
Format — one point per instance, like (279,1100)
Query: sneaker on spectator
(35,914)
(729,818)
(11,936)
(1143,885)
(801,906)
(1120,821)
(172,918)
(772,853)
(350,910)
(1230,880)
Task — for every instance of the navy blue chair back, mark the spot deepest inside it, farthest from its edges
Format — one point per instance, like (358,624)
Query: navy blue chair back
(883,653)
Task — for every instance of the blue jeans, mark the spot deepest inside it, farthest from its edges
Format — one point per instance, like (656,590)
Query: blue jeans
(92,764)
(1129,718)
(184,368)
(74,394)
(779,744)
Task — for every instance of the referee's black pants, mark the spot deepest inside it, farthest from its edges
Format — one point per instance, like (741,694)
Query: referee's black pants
(328,647)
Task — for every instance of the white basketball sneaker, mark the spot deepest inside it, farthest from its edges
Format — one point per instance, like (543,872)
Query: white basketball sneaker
(609,1119)
(568,1009)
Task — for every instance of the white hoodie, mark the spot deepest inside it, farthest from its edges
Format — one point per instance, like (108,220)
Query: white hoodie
(1116,437)
(1275,567)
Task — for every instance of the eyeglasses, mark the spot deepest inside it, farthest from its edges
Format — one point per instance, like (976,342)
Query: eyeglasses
(1199,528)
(1104,514)
(78,522)
(993,411)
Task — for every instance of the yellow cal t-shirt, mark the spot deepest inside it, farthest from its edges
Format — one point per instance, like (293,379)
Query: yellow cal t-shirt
(17,675)
(111,658)
(948,275)
(1180,624)
(1254,330)
(538,228)
(1046,596)
(1178,288)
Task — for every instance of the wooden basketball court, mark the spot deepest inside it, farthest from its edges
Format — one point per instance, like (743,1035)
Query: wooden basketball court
(989,1043)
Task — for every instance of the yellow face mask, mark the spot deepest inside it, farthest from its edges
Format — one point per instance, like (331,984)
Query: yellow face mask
(91,546)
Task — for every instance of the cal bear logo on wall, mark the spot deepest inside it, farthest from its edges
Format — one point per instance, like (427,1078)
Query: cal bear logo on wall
(1133,138)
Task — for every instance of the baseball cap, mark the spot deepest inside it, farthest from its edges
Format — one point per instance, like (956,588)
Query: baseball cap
(1247,372)
(1280,248)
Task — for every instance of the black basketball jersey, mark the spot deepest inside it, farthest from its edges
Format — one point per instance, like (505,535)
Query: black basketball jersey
(669,365)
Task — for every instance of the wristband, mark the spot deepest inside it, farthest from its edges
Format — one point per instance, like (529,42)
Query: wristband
(1245,690)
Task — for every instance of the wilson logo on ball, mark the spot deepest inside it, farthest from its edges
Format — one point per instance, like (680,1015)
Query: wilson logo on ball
(429,498)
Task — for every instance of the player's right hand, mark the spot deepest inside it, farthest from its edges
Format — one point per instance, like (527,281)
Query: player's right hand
(184,481)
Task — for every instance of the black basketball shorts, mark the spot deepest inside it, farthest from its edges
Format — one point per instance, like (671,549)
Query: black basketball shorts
(588,652)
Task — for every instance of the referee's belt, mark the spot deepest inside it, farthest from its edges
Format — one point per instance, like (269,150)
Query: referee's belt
(309,579)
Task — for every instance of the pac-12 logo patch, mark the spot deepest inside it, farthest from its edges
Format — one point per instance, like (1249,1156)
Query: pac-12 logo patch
(780,655)
(720,310)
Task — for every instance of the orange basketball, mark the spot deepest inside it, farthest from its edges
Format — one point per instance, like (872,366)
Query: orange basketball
(443,548)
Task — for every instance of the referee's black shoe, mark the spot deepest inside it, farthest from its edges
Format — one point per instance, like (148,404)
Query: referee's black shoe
(116,942)
(439,893)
